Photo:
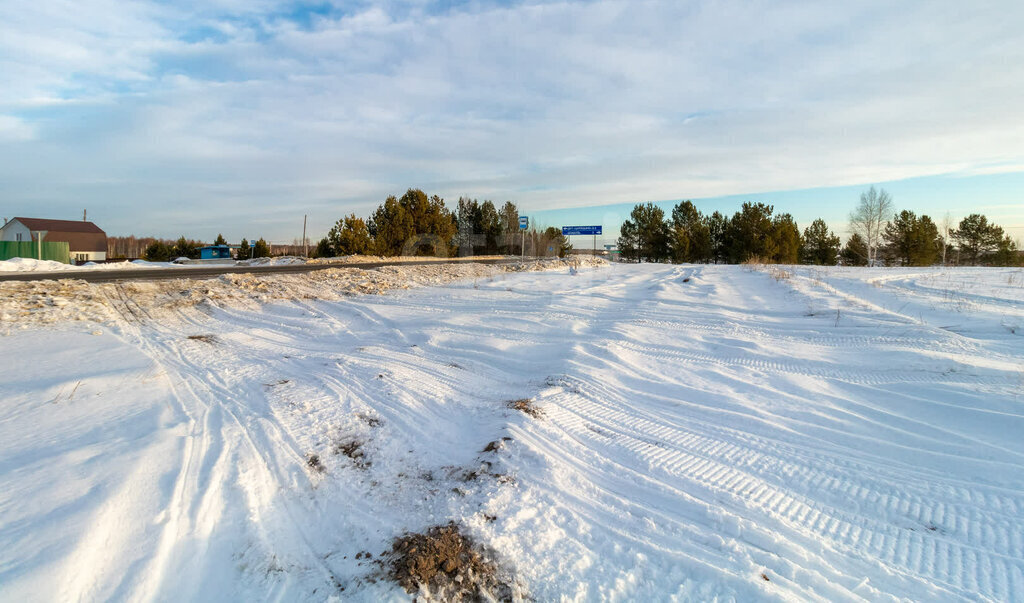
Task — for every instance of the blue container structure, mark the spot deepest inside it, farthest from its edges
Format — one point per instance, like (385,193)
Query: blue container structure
(215,252)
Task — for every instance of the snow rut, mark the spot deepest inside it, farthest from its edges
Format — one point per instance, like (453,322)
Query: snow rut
(841,510)
(706,432)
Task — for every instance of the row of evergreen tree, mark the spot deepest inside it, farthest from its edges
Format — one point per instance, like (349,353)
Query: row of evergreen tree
(418,224)
(756,233)
(415,224)
(160,250)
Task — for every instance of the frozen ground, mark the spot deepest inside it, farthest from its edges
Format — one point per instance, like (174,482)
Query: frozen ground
(776,434)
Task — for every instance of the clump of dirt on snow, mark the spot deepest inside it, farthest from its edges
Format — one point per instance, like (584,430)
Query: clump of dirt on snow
(445,564)
(314,463)
(204,338)
(526,405)
(353,449)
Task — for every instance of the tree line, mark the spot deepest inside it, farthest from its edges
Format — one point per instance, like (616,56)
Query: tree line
(413,224)
(757,233)
(418,224)
(165,250)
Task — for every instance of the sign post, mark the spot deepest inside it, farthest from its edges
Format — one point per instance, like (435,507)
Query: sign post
(39,242)
(569,231)
(524,223)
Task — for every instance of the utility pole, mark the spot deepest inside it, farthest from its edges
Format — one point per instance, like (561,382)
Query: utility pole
(305,243)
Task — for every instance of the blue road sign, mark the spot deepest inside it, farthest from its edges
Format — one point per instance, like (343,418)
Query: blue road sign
(252,243)
(524,222)
(581,230)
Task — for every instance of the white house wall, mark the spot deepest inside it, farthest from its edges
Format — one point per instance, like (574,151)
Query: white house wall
(88,256)
(12,230)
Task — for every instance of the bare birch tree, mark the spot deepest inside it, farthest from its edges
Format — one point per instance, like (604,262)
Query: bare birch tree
(870,217)
(947,225)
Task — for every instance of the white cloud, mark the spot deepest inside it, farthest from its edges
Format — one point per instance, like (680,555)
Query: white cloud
(14,129)
(549,104)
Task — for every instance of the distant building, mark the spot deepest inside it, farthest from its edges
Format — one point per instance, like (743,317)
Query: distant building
(215,252)
(86,241)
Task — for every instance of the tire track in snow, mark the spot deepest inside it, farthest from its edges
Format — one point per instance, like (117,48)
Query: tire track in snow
(615,466)
(864,377)
(982,552)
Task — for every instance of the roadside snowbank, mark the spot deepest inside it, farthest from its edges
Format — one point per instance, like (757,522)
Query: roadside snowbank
(33,265)
(33,302)
(355,259)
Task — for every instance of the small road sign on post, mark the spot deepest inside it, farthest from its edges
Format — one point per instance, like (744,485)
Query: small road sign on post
(524,223)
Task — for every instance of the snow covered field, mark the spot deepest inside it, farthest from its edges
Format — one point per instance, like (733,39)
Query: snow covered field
(703,431)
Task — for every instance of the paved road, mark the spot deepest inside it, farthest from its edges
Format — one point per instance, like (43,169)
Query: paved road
(213,271)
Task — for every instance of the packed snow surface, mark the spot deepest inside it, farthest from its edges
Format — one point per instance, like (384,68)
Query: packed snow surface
(701,432)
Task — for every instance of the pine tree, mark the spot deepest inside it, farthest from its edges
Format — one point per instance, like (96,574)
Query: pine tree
(490,223)
(651,232)
(555,242)
(750,234)
(786,240)
(898,236)
(413,225)
(220,240)
(261,249)
(243,250)
(467,226)
(926,244)
(718,233)
(349,236)
(976,237)
(1006,253)
(855,253)
(324,249)
(510,227)
(629,241)
(185,248)
(689,235)
(158,251)
(912,241)
(821,246)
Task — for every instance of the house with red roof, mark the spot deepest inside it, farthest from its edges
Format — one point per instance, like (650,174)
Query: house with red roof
(86,241)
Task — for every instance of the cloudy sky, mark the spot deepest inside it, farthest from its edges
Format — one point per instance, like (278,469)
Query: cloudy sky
(198,117)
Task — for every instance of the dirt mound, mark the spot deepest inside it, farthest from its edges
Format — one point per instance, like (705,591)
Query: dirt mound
(444,564)
(527,406)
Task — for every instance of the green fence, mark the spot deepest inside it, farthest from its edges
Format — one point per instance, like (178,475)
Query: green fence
(58,252)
